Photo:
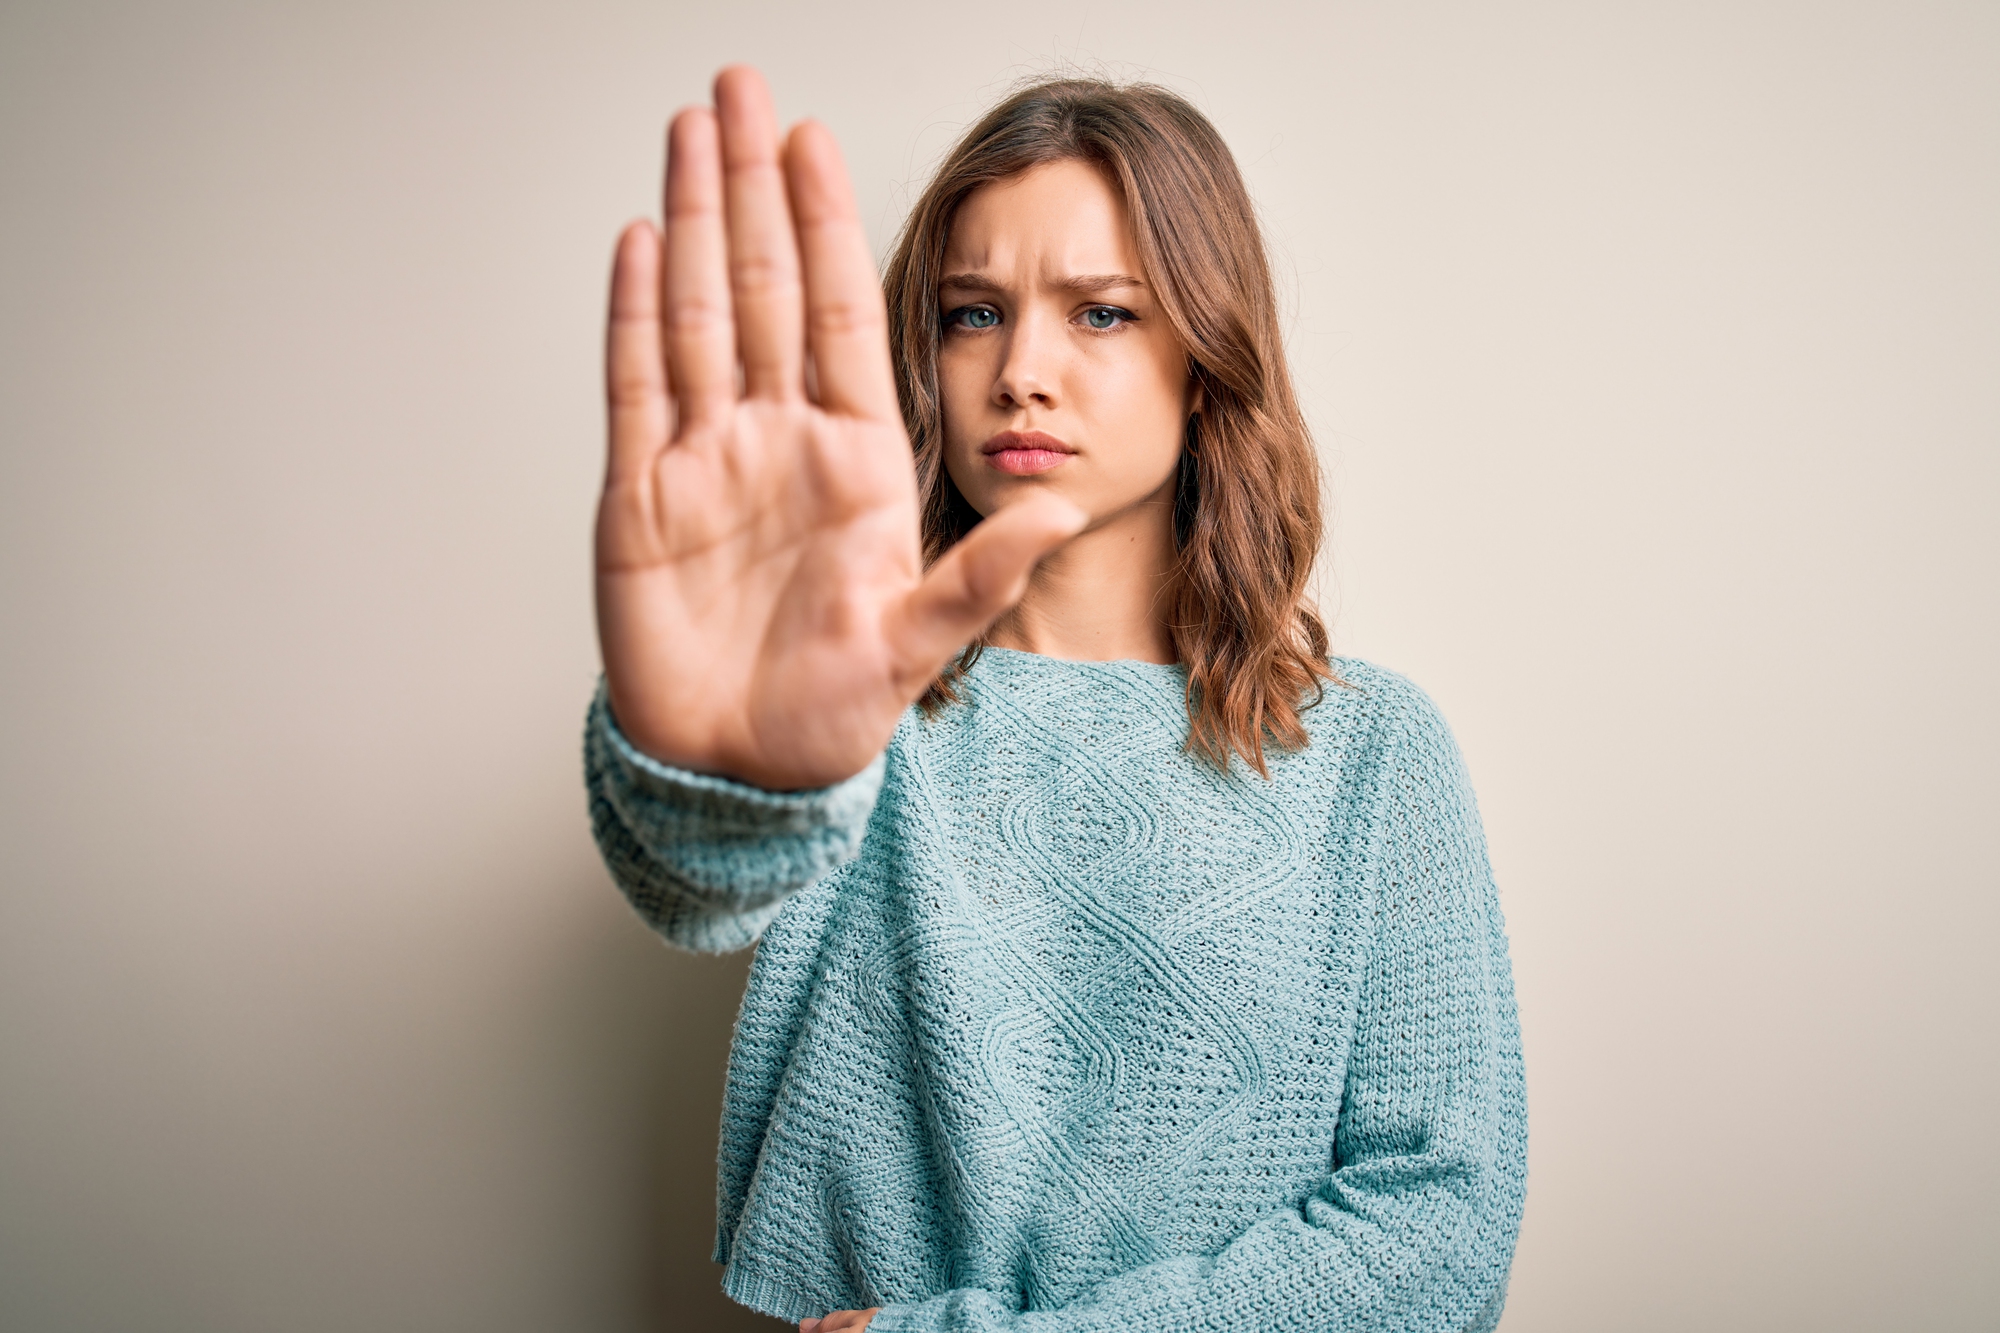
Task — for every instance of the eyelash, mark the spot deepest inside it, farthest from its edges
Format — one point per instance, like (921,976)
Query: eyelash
(955,319)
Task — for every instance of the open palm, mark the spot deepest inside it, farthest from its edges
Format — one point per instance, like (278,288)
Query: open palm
(761,601)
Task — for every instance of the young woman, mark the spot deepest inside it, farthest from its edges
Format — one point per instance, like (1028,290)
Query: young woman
(1123,962)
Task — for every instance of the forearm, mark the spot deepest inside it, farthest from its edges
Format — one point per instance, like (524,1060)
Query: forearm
(707,861)
(1436,1261)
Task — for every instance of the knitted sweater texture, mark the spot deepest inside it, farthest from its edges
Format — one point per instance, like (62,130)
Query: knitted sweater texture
(1053,1027)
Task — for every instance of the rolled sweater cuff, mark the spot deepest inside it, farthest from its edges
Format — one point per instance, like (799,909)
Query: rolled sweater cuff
(708,859)
(725,803)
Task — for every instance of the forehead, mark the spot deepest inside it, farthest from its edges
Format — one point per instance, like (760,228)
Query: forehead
(1060,217)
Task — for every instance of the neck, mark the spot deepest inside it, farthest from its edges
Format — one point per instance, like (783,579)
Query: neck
(1102,596)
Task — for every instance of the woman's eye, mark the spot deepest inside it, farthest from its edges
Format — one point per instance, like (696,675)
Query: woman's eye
(974,317)
(1104,317)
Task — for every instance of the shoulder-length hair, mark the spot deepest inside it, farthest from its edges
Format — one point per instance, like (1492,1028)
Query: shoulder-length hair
(1247,498)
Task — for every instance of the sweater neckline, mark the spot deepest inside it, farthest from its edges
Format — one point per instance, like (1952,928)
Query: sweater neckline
(1022,659)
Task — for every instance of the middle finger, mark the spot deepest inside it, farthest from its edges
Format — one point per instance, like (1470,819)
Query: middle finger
(763,250)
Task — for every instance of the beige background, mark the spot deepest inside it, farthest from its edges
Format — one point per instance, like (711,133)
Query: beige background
(1653,352)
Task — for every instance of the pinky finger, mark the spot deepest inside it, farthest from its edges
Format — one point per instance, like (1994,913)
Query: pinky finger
(635,376)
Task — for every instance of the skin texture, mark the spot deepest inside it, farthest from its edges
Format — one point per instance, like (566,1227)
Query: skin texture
(762,608)
(840,1321)
(1050,326)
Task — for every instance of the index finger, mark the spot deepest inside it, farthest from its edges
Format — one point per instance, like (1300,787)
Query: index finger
(847,325)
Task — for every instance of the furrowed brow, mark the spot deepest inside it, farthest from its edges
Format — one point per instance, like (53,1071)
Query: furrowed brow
(1081,282)
(1100,282)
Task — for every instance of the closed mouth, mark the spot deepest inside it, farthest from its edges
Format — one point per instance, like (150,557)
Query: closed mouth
(1025,453)
(1031,441)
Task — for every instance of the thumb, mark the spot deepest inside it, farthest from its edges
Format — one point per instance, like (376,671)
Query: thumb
(976,580)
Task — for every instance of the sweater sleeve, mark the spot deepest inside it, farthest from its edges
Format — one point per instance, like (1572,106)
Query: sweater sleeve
(1413,1226)
(708,861)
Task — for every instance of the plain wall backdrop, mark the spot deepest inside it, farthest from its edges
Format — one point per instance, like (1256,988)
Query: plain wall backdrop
(1654,353)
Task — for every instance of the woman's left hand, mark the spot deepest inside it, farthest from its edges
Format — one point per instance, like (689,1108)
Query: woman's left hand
(840,1321)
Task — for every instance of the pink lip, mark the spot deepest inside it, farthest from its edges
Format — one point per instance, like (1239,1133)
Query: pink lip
(1025,452)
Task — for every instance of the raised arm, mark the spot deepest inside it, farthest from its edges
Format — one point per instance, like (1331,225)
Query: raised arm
(762,607)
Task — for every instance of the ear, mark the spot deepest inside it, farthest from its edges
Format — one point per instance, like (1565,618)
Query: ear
(1195,399)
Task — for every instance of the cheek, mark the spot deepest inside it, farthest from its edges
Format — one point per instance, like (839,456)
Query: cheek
(1147,395)
(962,384)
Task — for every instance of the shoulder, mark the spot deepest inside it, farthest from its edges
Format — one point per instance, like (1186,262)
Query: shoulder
(1400,753)
(1376,708)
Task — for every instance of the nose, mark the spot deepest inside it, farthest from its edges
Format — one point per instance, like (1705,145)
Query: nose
(1027,375)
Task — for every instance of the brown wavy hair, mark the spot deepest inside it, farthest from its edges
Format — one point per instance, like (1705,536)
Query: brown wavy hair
(1247,497)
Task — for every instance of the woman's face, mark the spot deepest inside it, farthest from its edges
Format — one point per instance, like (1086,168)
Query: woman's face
(1057,367)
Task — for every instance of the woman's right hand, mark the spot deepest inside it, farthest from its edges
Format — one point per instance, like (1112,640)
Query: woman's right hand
(762,605)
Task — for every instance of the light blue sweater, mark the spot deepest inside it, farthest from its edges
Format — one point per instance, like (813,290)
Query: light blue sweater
(1054,1027)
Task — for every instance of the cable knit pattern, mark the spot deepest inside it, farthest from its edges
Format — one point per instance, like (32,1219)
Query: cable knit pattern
(1053,1027)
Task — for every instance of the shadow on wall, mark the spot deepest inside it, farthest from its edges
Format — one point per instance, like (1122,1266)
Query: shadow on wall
(693,1051)
(666,1016)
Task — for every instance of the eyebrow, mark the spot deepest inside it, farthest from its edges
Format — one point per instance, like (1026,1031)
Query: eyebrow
(1081,282)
